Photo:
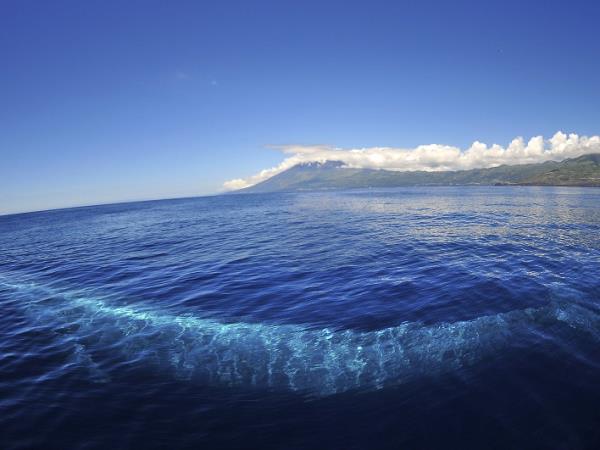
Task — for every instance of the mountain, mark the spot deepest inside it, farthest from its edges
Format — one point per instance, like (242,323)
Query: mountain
(581,171)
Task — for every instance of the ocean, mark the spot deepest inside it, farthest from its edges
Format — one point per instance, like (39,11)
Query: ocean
(408,318)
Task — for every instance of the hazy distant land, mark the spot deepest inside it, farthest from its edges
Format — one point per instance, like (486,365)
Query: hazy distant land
(581,171)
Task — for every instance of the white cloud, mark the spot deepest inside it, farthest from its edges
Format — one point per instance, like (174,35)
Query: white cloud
(432,157)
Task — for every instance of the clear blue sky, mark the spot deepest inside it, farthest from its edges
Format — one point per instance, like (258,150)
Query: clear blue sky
(104,101)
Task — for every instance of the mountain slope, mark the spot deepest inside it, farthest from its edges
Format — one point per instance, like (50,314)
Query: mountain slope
(581,171)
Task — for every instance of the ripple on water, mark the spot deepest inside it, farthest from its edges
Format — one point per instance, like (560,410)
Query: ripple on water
(232,312)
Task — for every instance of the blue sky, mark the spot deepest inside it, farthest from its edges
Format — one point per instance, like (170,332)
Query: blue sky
(104,101)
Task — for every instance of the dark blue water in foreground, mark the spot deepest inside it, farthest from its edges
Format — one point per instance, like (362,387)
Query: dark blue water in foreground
(408,318)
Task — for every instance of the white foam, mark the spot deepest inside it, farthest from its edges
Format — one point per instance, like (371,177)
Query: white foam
(287,356)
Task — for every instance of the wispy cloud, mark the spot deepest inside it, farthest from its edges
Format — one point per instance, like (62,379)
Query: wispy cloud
(432,157)
(185,76)
(181,75)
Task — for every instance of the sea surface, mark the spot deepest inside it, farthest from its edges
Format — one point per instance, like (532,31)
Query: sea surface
(458,317)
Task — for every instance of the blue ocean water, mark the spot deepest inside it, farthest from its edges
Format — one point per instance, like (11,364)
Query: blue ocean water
(403,318)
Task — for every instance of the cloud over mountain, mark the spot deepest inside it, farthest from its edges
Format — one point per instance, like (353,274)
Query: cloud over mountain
(432,157)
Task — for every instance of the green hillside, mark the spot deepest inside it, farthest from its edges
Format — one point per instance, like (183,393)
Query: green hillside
(581,171)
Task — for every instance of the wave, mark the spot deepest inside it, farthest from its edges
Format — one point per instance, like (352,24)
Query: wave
(287,357)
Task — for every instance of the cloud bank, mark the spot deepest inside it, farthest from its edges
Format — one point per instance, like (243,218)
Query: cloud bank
(432,157)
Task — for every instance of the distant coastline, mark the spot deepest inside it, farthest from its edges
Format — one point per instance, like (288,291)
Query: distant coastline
(583,171)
